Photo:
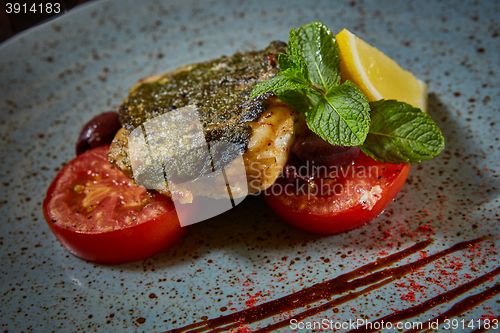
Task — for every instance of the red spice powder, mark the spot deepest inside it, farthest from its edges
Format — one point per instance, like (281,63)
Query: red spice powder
(410,297)
(489,316)
(252,300)
(244,329)
(387,234)
(426,228)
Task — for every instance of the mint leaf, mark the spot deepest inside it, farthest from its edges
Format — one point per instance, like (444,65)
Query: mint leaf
(286,62)
(401,133)
(295,76)
(295,54)
(290,79)
(341,117)
(321,53)
(301,100)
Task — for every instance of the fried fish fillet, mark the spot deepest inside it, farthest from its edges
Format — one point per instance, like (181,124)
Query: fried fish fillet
(261,129)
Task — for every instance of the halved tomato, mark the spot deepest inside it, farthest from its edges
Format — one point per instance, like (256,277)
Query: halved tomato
(342,200)
(99,214)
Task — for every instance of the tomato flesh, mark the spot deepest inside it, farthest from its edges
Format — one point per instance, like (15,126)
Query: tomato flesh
(342,200)
(99,214)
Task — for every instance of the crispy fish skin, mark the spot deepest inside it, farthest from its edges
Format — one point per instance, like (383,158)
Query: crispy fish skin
(262,128)
(219,88)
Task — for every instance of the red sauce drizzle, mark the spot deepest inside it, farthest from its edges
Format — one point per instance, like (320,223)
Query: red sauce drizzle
(347,284)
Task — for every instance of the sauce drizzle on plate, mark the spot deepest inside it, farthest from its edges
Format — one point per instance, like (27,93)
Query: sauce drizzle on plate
(372,276)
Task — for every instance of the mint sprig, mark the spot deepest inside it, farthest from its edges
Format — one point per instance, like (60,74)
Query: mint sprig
(309,81)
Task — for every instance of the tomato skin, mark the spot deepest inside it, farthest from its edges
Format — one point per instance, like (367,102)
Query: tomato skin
(323,215)
(124,244)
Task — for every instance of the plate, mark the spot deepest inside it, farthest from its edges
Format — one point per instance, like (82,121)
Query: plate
(55,77)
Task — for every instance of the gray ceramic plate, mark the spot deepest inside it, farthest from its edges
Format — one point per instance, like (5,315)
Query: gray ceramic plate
(55,77)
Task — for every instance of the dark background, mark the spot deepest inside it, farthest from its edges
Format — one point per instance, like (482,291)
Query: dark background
(11,24)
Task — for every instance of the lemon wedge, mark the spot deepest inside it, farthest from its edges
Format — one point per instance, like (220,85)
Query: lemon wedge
(377,75)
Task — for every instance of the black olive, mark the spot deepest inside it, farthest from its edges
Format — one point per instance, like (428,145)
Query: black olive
(99,131)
